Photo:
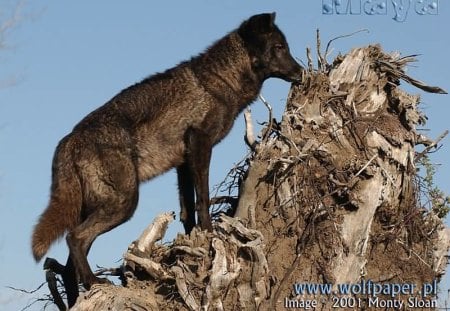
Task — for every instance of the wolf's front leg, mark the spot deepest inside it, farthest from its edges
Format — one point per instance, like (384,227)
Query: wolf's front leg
(198,157)
(187,197)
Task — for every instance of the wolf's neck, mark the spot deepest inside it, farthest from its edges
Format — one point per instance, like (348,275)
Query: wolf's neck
(225,71)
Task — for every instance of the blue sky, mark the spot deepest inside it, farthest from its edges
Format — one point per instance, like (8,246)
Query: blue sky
(69,57)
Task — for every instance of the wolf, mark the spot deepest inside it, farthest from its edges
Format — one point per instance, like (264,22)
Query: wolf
(168,120)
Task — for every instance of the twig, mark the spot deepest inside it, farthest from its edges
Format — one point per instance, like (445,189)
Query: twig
(269,107)
(310,61)
(343,36)
(365,166)
(48,299)
(407,248)
(321,61)
(432,145)
(235,173)
(26,291)
(249,137)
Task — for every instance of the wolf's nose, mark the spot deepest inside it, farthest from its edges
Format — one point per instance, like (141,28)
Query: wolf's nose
(298,76)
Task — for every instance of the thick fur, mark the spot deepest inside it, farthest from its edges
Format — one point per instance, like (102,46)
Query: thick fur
(169,120)
(64,210)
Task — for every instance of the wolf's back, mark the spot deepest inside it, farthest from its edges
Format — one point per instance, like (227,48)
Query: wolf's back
(63,211)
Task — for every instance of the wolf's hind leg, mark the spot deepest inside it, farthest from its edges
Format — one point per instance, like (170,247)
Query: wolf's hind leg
(70,281)
(110,196)
(81,237)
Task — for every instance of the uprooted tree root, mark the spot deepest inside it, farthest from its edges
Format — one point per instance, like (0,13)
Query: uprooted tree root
(336,194)
(330,195)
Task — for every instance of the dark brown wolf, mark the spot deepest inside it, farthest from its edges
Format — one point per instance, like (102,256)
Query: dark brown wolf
(169,120)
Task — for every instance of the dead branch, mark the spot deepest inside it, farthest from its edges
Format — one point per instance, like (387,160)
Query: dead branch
(50,277)
(432,145)
(154,232)
(392,68)
(249,137)
(8,24)
(310,61)
(340,37)
(267,131)
(322,62)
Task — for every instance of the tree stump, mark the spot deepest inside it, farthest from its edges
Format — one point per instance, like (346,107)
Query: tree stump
(330,195)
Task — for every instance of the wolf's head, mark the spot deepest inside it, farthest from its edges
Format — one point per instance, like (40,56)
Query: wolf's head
(268,48)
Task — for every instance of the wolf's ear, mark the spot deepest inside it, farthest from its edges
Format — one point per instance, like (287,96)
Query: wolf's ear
(260,23)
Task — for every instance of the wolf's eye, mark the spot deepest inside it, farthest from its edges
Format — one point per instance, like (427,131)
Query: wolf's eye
(279,46)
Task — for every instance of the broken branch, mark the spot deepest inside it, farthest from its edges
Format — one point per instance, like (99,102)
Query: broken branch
(432,145)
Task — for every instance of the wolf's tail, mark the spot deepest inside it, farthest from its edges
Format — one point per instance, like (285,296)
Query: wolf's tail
(64,209)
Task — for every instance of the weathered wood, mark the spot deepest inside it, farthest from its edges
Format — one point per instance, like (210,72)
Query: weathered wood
(344,159)
(154,232)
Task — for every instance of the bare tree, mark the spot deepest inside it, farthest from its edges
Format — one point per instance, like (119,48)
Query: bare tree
(330,195)
(9,20)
